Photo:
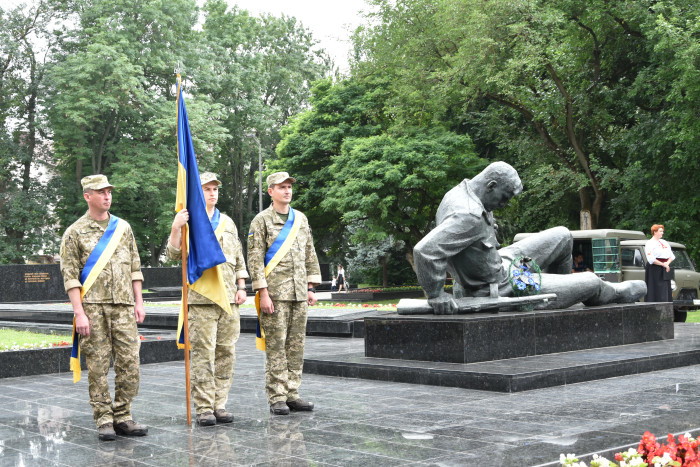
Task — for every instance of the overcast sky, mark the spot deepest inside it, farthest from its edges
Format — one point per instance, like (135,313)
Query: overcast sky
(330,22)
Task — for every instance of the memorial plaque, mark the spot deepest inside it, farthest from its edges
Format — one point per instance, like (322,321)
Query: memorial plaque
(31,283)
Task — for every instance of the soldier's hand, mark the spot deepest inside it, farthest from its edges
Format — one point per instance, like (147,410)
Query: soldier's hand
(266,305)
(311,298)
(82,324)
(241,295)
(139,312)
(181,219)
(443,304)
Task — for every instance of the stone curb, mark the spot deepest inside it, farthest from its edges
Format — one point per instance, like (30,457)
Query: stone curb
(30,362)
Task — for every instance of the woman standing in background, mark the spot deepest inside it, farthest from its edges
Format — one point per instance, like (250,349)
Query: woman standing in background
(658,272)
(341,278)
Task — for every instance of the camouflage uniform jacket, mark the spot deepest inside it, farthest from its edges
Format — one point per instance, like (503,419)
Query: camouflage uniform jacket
(289,279)
(113,285)
(233,268)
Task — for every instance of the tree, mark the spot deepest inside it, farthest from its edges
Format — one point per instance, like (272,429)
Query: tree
(394,183)
(549,82)
(660,183)
(24,206)
(112,109)
(313,139)
(262,74)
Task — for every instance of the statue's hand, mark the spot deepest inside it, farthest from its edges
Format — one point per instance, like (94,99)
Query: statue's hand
(443,304)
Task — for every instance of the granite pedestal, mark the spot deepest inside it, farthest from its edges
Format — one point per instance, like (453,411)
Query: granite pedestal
(483,337)
(513,352)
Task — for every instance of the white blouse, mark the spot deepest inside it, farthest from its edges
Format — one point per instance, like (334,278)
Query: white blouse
(658,249)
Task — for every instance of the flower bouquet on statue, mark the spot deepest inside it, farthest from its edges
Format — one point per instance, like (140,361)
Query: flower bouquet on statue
(525,276)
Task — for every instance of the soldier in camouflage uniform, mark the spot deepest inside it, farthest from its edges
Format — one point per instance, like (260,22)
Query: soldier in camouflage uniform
(284,295)
(106,318)
(213,332)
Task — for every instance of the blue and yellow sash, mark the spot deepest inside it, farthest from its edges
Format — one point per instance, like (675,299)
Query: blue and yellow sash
(96,262)
(278,250)
(211,285)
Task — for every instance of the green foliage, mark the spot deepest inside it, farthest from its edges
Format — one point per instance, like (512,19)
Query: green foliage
(398,270)
(347,109)
(364,178)
(260,71)
(394,183)
(595,103)
(24,205)
(660,184)
(546,83)
(112,110)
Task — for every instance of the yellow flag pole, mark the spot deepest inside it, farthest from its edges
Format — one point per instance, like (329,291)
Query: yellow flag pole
(183,248)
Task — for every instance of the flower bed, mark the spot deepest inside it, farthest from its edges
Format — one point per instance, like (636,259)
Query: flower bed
(677,453)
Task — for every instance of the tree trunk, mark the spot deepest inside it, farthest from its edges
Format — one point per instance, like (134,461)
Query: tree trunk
(592,202)
(409,258)
(385,277)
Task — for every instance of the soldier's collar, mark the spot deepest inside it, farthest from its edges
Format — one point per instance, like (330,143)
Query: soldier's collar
(93,222)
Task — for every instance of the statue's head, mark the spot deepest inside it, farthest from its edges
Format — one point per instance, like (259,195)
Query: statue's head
(496,185)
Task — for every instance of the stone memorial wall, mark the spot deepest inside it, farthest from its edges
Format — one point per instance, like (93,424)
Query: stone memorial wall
(31,283)
(43,282)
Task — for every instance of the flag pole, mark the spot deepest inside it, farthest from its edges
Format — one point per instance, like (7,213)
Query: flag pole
(185,325)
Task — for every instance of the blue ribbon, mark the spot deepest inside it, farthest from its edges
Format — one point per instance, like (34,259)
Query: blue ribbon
(281,237)
(76,343)
(215,219)
(99,248)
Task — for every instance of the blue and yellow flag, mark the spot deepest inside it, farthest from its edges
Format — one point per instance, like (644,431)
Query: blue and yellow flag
(203,250)
(278,250)
(210,278)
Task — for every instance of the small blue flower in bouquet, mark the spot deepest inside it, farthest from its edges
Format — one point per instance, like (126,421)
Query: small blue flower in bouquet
(525,276)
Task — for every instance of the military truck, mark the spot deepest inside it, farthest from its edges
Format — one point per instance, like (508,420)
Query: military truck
(618,255)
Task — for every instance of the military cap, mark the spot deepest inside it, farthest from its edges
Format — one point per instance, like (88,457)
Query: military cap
(95,182)
(278,177)
(207,177)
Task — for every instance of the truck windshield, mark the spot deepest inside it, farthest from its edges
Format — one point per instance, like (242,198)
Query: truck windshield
(682,260)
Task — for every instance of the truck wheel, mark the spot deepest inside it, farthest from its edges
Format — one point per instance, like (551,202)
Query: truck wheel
(679,316)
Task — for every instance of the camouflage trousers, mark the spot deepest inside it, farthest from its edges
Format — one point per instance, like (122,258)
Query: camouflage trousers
(213,336)
(285,334)
(113,335)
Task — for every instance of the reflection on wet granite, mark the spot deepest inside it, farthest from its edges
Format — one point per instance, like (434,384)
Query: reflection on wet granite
(46,420)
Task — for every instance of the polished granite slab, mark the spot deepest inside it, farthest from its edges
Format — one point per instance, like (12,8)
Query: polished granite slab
(478,337)
(326,321)
(517,374)
(46,420)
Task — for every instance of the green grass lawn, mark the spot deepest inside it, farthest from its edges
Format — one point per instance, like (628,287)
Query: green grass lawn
(11,339)
(693,317)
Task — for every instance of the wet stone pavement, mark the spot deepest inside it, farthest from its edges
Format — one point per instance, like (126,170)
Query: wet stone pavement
(46,420)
